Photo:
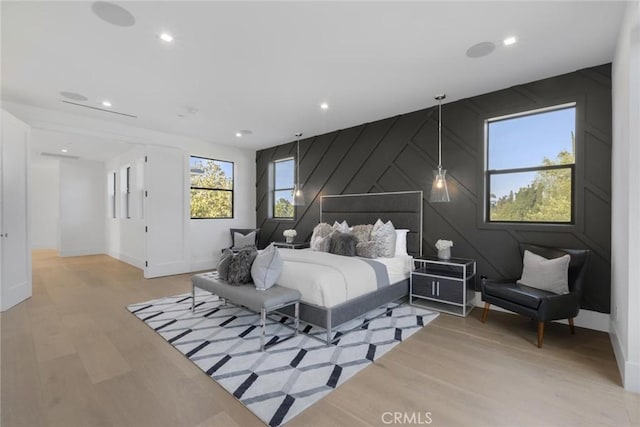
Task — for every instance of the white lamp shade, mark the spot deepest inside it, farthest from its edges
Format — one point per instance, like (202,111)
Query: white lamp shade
(298,196)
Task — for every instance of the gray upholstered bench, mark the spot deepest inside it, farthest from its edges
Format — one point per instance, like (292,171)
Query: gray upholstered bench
(248,296)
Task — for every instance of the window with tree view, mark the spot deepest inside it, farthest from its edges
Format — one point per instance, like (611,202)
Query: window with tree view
(531,166)
(211,188)
(282,196)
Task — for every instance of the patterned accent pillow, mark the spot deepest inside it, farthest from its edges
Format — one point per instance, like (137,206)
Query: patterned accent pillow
(343,244)
(240,266)
(266,268)
(362,232)
(384,237)
(366,249)
(320,232)
(243,240)
(223,264)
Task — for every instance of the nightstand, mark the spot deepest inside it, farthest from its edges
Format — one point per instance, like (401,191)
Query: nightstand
(443,285)
(294,245)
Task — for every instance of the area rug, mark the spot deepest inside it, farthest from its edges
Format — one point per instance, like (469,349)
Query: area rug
(293,373)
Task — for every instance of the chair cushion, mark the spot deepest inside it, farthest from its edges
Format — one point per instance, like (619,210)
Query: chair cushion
(547,274)
(516,293)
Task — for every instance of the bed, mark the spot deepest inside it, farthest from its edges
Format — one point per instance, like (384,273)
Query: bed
(404,210)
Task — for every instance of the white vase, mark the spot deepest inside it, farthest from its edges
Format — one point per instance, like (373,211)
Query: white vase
(444,253)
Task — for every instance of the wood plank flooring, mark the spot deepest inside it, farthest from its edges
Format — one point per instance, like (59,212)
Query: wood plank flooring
(72,355)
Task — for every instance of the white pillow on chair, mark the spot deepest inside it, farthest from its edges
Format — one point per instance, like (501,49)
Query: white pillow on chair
(550,275)
(241,240)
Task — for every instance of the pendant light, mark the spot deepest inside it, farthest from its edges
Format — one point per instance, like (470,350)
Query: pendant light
(439,191)
(298,194)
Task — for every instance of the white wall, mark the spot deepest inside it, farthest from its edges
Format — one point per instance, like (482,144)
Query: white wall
(625,231)
(45,203)
(82,208)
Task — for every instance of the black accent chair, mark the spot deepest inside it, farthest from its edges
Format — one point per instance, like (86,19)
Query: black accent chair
(537,304)
(244,232)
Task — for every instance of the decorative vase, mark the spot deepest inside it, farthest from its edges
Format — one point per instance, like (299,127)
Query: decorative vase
(288,239)
(444,253)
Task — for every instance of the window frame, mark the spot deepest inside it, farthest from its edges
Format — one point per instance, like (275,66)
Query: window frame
(275,189)
(232,190)
(488,173)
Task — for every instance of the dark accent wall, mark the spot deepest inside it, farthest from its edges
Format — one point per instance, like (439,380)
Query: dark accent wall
(399,153)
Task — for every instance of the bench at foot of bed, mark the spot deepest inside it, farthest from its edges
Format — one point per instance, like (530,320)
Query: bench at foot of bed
(262,302)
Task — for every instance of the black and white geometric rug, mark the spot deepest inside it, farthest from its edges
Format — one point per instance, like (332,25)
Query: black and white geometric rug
(288,377)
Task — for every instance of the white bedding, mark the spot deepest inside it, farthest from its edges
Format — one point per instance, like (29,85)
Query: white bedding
(327,280)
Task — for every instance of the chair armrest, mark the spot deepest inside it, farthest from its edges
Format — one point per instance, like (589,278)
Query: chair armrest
(556,307)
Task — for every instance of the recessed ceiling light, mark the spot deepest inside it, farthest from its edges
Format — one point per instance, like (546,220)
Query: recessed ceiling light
(509,41)
(106,103)
(166,37)
(64,150)
(239,134)
(324,106)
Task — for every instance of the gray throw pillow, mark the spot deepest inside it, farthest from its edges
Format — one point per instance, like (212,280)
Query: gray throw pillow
(320,232)
(551,275)
(243,240)
(266,268)
(240,267)
(362,232)
(223,264)
(384,236)
(343,244)
(366,249)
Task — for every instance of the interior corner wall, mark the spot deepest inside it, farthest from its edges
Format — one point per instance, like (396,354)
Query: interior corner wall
(82,207)
(45,203)
(625,292)
(399,153)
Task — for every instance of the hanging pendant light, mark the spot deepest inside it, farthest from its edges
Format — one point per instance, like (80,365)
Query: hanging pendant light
(298,194)
(439,191)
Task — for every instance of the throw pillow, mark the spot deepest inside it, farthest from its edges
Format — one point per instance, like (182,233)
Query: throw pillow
(240,267)
(384,236)
(223,264)
(342,227)
(401,241)
(266,268)
(322,243)
(320,231)
(550,275)
(243,240)
(366,249)
(362,232)
(343,244)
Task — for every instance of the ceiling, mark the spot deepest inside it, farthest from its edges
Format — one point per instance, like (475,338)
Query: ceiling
(267,66)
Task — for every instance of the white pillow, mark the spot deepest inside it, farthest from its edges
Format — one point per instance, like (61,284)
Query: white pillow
(266,268)
(550,275)
(342,227)
(401,242)
(241,240)
(384,238)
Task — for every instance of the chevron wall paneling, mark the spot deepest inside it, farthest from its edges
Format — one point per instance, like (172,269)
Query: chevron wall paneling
(399,153)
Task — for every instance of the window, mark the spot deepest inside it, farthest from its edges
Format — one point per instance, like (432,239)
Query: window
(531,166)
(127,190)
(282,193)
(211,188)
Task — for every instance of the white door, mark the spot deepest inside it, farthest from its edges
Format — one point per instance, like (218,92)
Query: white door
(15,245)
(166,212)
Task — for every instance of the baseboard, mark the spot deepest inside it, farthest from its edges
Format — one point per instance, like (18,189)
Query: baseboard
(586,318)
(629,371)
(15,294)
(203,265)
(81,252)
(136,262)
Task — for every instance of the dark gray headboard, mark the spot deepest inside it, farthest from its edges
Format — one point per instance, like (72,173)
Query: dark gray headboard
(403,208)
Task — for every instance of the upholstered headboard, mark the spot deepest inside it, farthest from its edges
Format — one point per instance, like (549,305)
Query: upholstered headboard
(403,208)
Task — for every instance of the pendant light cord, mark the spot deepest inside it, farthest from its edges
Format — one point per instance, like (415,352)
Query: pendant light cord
(440,98)
(298,135)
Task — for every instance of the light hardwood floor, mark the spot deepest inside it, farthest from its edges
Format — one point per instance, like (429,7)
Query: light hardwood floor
(72,355)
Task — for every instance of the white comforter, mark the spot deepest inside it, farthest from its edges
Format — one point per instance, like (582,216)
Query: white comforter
(327,280)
